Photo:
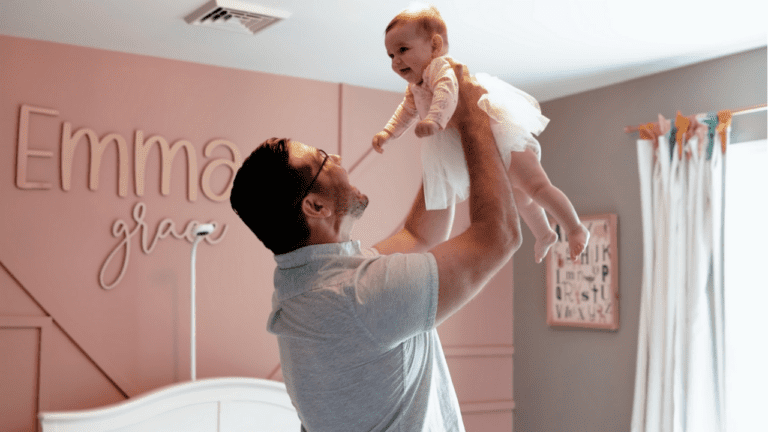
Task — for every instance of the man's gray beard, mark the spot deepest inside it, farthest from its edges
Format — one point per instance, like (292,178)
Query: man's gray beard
(358,207)
(353,205)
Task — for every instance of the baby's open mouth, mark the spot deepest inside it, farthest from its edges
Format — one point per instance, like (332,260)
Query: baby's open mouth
(405,70)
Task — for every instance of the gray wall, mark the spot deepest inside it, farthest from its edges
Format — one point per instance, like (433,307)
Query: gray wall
(583,380)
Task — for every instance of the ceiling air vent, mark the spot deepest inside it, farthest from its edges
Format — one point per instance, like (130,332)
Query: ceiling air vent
(235,15)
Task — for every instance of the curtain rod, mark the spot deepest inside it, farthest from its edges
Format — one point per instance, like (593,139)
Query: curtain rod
(747,110)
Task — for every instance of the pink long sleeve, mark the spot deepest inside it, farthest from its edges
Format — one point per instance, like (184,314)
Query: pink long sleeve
(440,78)
(435,99)
(405,115)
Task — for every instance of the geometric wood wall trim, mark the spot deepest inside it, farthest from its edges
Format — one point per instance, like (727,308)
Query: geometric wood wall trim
(43,324)
(487,407)
(481,351)
(106,375)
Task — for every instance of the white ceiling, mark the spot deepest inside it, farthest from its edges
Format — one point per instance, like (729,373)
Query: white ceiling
(550,48)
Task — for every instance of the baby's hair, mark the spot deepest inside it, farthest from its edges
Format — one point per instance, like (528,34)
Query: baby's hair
(426,17)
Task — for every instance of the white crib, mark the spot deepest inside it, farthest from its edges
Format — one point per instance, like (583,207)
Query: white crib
(208,405)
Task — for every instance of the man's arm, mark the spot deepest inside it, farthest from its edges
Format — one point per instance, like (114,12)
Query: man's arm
(467,262)
(423,229)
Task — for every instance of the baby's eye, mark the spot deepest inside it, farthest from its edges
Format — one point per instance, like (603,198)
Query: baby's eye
(403,49)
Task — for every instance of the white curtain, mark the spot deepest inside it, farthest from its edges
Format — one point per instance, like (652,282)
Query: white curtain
(679,382)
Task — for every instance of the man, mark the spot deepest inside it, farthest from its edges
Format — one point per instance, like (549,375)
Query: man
(356,328)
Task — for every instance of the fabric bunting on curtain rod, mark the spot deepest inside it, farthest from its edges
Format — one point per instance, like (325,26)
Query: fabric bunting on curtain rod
(704,126)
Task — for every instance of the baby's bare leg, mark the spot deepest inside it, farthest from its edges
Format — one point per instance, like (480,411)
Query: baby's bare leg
(527,174)
(533,216)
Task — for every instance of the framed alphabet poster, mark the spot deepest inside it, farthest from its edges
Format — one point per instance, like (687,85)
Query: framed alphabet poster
(585,293)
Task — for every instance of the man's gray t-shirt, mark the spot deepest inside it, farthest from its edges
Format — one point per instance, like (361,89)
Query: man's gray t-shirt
(358,346)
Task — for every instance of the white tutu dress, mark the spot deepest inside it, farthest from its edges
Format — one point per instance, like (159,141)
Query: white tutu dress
(515,117)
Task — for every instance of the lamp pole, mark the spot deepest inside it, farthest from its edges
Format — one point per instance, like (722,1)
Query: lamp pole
(200,232)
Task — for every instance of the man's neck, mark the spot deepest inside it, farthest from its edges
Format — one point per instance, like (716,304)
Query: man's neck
(345,228)
(332,230)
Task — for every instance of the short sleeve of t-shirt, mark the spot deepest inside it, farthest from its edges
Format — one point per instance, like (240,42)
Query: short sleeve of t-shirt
(396,296)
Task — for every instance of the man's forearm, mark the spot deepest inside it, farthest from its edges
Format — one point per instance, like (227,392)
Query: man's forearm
(491,200)
(468,261)
(423,229)
(428,227)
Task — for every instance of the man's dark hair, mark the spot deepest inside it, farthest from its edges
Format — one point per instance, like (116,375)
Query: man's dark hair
(265,193)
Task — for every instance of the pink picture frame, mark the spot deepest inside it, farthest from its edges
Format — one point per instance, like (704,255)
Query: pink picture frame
(585,293)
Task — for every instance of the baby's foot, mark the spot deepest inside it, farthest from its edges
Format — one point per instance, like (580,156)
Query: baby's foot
(542,245)
(577,241)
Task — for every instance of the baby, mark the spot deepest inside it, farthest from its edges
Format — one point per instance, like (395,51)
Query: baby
(416,40)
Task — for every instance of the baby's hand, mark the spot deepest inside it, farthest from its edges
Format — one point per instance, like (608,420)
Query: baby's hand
(379,139)
(426,128)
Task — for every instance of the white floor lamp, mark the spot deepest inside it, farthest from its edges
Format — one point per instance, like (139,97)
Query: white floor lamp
(200,232)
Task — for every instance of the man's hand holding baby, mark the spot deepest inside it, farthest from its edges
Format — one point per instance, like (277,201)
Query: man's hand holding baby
(426,128)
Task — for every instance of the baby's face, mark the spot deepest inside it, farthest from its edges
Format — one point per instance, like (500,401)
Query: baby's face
(410,50)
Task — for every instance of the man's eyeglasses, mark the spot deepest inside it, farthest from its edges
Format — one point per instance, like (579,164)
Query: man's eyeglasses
(311,183)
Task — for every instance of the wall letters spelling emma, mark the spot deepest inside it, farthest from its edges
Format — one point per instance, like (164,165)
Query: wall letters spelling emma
(69,140)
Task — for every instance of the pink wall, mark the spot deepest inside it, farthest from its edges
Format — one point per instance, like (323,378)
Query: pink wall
(89,346)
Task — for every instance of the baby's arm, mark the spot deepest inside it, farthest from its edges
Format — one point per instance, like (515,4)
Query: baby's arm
(403,118)
(380,139)
(445,89)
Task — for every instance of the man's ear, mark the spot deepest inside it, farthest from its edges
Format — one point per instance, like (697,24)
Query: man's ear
(314,206)
(437,44)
